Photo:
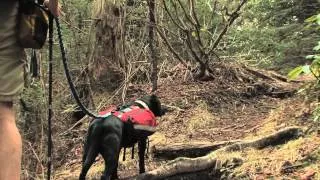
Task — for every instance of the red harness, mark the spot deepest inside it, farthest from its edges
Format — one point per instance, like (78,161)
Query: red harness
(140,117)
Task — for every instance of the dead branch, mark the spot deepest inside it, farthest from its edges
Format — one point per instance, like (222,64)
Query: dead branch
(189,165)
(74,125)
(266,74)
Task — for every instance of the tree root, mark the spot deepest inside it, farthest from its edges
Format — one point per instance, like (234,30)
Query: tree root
(191,150)
(182,166)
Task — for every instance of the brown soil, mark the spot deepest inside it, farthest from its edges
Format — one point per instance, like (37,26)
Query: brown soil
(235,105)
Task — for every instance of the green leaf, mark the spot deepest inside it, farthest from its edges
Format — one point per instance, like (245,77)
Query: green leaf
(310,57)
(295,72)
(318,19)
(204,29)
(311,19)
(317,48)
(306,69)
(315,67)
(315,18)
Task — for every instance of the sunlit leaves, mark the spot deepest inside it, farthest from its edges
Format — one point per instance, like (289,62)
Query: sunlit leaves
(297,71)
(315,18)
(317,48)
(314,68)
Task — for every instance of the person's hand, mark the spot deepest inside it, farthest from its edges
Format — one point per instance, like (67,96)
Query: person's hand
(53,6)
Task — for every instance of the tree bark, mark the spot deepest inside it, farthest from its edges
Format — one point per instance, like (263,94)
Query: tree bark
(108,60)
(153,53)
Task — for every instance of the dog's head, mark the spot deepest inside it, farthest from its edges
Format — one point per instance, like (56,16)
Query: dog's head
(153,103)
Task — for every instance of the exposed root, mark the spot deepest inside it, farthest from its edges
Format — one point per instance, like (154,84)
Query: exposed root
(180,166)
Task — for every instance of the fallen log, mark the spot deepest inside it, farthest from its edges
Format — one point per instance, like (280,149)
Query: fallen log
(181,166)
(191,150)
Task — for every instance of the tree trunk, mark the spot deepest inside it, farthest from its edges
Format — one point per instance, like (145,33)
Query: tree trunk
(153,53)
(109,52)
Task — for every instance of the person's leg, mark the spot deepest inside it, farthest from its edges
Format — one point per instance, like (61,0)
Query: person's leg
(11,85)
(10,144)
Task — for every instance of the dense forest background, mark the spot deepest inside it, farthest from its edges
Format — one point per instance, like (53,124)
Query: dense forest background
(118,50)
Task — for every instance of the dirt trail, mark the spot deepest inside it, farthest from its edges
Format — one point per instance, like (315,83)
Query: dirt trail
(230,107)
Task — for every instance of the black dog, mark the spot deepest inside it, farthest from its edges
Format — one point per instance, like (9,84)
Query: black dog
(108,135)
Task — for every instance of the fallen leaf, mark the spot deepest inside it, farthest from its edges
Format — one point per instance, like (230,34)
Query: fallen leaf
(308,174)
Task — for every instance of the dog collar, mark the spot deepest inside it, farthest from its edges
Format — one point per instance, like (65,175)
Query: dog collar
(143,104)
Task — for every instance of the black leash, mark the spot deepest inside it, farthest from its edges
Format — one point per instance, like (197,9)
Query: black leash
(50,79)
(50,82)
(68,76)
(72,88)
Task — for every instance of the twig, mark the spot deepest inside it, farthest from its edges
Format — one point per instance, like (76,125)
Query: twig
(73,126)
(175,107)
(232,18)
(37,157)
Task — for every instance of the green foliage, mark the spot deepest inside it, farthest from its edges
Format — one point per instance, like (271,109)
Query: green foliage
(272,34)
(314,68)
(298,70)
(316,114)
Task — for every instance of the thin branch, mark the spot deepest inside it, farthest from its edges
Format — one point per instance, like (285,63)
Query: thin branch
(194,54)
(178,16)
(163,37)
(194,14)
(171,17)
(231,19)
(195,23)
(185,12)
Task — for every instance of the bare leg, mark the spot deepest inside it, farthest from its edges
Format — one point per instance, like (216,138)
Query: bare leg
(10,144)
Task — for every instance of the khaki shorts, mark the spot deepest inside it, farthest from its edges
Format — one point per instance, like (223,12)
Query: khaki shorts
(11,64)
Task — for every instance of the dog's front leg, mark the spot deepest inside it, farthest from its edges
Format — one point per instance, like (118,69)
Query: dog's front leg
(142,149)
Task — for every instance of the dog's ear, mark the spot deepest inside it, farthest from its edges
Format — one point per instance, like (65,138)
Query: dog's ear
(154,97)
(153,103)
(164,110)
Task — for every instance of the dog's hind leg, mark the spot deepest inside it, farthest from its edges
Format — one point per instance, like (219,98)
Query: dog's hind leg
(90,152)
(142,144)
(110,153)
(88,161)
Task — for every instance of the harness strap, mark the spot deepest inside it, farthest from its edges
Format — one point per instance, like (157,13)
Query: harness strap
(143,104)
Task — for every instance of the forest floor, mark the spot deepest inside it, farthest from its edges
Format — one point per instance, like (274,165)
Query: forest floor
(240,103)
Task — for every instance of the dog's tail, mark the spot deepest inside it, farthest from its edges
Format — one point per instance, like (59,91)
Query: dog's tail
(91,147)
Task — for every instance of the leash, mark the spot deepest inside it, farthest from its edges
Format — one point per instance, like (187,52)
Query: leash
(68,76)
(50,79)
